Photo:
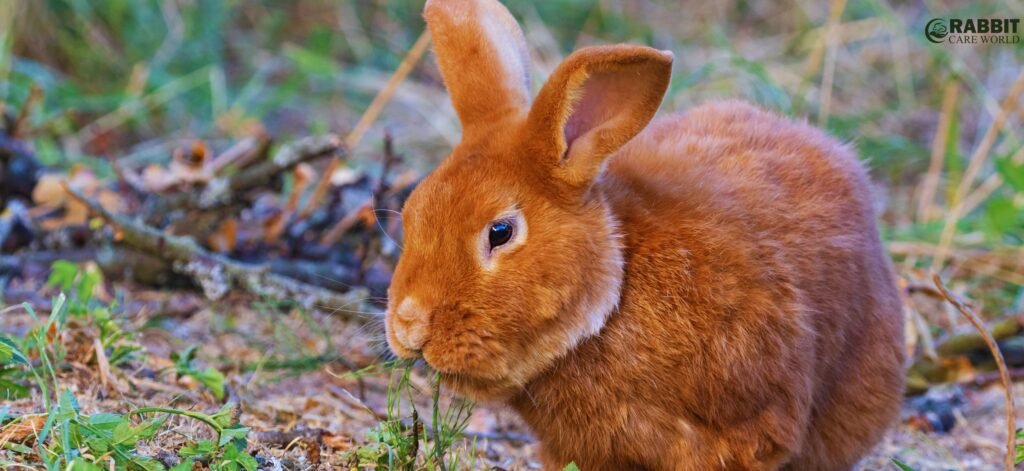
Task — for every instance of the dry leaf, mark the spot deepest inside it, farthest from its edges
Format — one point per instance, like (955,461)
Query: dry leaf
(22,431)
(345,176)
(225,238)
(49,191)
(336,442)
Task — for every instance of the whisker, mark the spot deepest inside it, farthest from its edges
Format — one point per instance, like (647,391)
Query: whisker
(384,231)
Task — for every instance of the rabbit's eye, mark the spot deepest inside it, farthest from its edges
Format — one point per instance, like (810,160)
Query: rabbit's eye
(499,234)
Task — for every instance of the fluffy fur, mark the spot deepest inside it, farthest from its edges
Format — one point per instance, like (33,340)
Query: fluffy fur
(706,292)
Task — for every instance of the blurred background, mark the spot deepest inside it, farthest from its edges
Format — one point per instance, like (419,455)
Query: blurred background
(134,103)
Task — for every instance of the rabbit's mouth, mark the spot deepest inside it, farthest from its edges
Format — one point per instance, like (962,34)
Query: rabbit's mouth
(478,384)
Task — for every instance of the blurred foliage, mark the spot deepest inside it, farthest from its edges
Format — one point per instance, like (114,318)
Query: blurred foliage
(124,79)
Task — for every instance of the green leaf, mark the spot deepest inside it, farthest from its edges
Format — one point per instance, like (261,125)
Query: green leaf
(146,463)
(213,380)
(10,353)
(98,445)
(17,448)
(124,433)
(197,450)
(184,465)
(9,390)
(106,421)
(571,467)
(1013,174)
(79,464)
(309,62)
(67,408)
(225,417)
(901,465)
(62,275)
(183,360)
(234,456)
(90,278)
(231,434)
(247,461)
(6,351)
(1001,217)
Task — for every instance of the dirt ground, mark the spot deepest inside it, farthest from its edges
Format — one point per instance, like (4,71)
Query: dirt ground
(287,368)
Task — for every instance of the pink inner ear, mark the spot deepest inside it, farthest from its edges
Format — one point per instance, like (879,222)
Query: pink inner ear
(603,101)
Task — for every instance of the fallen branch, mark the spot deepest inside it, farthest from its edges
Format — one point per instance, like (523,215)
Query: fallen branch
(1004,374)
(967,342)
(218,275)
(223,191)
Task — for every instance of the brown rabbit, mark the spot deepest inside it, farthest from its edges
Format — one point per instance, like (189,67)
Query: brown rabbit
(708,293)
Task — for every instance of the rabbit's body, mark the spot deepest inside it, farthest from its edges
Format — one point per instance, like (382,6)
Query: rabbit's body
(710,293)
(741,311)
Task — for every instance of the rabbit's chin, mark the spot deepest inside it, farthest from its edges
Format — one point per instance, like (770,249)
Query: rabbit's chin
(479,389)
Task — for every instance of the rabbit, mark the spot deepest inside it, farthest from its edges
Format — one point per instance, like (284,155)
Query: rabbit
(704,291)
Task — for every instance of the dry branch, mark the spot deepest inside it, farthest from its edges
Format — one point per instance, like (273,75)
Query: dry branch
(222,191)
(1004,374)
(218,275)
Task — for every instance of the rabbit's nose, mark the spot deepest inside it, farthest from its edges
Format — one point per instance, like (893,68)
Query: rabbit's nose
(411,328)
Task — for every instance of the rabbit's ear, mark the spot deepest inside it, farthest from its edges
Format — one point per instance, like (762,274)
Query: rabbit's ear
(483,59)
(596,100)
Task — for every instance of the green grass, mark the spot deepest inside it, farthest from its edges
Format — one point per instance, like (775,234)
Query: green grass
(32,365)
(402,441)
(125,81)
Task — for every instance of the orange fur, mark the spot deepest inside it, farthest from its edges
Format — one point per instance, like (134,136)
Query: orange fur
(706,293)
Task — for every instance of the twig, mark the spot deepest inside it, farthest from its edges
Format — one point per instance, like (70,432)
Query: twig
(371,114)
(988,377)
(218,275)
(340,228)
(34,96)
(1004,374)
(284,439)
(242,153)
(223,191)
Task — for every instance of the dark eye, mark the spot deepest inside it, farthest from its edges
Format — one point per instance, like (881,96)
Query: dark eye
(499,234)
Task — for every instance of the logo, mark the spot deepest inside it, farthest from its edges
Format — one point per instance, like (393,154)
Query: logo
(973,30)
(936,30)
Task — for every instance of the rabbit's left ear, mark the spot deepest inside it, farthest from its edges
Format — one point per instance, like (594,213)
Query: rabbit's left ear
(597,100)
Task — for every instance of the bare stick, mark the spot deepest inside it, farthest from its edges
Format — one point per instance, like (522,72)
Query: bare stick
(222,191)
(219,275)
(1004,373)
(371,114)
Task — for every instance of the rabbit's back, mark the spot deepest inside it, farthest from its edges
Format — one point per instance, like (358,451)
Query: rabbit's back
(765,230)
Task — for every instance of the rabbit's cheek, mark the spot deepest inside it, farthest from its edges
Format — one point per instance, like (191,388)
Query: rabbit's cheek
(466,352)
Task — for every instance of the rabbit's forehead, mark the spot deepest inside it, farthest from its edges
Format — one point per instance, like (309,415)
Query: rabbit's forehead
(459,197)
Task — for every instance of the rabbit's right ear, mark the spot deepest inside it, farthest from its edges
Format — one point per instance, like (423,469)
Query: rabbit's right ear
(483,59)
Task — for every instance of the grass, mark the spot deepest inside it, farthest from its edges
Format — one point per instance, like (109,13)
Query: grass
(64,436)
(126,81)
